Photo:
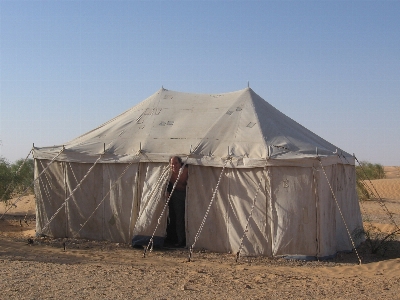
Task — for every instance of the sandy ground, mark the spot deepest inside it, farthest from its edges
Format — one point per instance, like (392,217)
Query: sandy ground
(40,268)
(392,172)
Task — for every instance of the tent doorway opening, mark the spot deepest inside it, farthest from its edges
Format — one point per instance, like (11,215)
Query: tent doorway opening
(176,230)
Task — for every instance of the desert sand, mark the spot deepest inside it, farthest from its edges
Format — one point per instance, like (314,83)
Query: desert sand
(40,268)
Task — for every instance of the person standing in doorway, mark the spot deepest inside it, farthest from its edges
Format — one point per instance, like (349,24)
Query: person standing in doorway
(177,202)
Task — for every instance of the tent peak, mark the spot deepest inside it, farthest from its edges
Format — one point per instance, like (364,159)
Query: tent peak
(205,93)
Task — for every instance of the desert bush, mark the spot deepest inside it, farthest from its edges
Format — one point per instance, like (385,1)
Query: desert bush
(377,242)
(24,178)
(13,182)
(5,179)
(367,171)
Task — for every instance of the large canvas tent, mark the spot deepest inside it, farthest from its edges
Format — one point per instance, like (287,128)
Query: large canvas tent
(294,191)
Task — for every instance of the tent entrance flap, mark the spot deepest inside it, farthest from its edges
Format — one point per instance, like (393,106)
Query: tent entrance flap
(151,201)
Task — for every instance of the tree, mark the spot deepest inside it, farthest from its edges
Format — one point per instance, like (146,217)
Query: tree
(5,179)
(15,178)
(24,178)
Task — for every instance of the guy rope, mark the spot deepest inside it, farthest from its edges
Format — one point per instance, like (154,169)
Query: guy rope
(151,242)
(69,197)
(380,202)
(207,211)
(102,200)
(160,182)
(249,217)
(16,174)
(367,216)
(340,211)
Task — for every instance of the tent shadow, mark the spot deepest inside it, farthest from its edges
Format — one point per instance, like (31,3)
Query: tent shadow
(23,249)
(386,251)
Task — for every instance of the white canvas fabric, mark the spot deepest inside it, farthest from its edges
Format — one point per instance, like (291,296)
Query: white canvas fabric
(90,193)
(50,196)
(152,200)
(326,218)
(349,215)
(120,205)
(295,212)
(228,215)
(202,126)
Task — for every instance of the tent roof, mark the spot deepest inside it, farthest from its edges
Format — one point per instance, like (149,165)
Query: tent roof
(207,128)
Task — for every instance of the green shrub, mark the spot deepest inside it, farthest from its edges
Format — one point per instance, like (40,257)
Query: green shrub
(12,183)
(5,179)
(24,178)
(367,171)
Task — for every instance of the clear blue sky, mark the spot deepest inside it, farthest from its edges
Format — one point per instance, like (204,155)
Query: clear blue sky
(333,66)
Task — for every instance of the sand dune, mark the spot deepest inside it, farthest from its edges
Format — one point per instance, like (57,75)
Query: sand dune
(386,188)
(24,205)
(392,172)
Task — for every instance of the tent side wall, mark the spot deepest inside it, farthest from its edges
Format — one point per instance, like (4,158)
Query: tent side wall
(50,196)
(119,205)
(228,214)
(326,210)
(84,200)
(349,208)
(306,221)
(106,204)
(294,212)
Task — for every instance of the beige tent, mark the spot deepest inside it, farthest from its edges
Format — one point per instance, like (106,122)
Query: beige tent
(109,184)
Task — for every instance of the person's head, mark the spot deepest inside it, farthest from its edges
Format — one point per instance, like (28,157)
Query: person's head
(175,163)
